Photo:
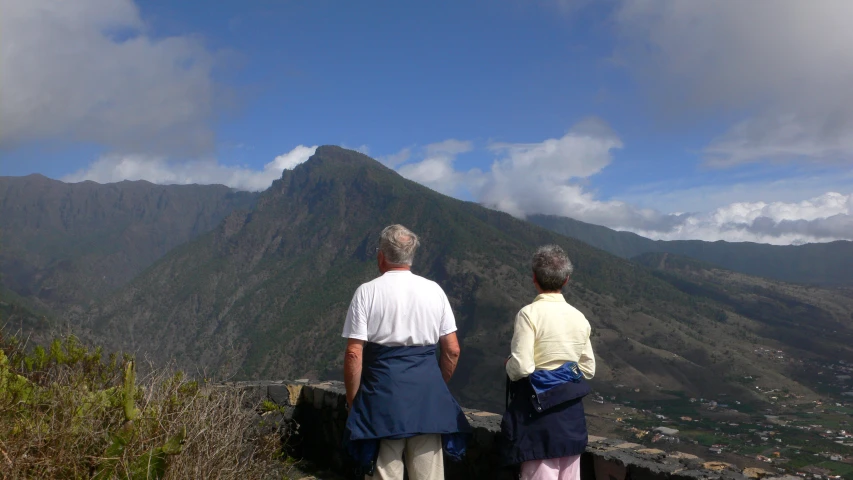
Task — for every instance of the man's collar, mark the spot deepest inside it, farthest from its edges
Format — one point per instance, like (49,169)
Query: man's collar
(550,297)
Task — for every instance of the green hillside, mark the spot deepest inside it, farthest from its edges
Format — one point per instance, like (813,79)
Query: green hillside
(18,314)
(264,294)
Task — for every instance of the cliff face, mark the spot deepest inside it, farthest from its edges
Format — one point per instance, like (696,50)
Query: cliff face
(67,244)
(264,294)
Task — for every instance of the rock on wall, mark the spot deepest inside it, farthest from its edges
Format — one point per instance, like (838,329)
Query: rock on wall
(315,415)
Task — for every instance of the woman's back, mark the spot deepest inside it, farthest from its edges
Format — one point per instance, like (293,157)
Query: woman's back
(544,428)
(548,333)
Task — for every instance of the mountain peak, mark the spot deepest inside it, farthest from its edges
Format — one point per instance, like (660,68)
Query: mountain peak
(331,149)
(340,155)
(341,164)
(33,178)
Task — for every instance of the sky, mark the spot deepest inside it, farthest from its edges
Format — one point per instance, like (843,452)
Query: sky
(676,120)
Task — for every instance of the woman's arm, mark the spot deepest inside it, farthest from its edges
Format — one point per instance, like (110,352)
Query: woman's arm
(521,363)
(587,361)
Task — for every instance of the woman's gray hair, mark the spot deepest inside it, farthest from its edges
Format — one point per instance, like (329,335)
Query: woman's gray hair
(398,244)
(552,267)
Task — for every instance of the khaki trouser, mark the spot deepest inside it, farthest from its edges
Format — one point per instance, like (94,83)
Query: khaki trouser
(424,459)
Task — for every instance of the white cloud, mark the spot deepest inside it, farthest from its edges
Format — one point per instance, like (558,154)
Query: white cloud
(436,170)
(88,71)
(535,178)
(543,177)
(784,67)
(448,147)
(549,177)
(396,158)
(825,218)
(669,196)
(115,168)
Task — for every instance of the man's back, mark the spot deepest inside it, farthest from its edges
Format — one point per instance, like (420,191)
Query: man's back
(396,390)
(399,308)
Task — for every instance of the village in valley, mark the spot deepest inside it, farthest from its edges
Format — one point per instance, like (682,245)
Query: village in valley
(781,433)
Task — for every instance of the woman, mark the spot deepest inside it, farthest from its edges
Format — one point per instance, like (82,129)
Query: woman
(544,428)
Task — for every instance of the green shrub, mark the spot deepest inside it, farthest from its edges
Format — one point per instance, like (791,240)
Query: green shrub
(67,412)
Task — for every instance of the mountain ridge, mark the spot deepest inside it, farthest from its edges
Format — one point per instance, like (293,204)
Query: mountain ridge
(265,292)
(45,179)
(829,263)
(65,244)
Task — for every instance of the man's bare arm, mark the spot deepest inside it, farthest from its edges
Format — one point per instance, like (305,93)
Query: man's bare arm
(449,355)
(352,368)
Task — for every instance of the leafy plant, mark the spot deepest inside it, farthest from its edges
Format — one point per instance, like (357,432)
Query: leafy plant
(66,412)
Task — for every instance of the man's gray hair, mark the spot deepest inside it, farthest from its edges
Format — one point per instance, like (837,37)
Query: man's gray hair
(552,267)
(398,244)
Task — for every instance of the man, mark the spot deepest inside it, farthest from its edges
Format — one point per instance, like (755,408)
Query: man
(396,391)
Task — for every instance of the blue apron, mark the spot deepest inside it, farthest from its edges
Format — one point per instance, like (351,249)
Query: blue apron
(402,394)
(544,416)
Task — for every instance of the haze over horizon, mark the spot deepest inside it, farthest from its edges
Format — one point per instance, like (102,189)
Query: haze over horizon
(673,120)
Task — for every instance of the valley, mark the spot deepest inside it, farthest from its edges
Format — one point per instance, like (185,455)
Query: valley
(783,433)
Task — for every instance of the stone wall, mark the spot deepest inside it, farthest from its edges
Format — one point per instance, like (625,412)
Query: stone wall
(315,415)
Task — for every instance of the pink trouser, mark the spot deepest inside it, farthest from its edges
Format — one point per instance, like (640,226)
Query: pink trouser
(563,468)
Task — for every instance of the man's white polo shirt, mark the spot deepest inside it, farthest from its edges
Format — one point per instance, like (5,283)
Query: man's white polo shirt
(399,308)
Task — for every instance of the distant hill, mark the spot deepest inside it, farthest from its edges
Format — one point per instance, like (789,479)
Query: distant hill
(66,244)
(815,263)
(264,294)
(806,319)
(21,315)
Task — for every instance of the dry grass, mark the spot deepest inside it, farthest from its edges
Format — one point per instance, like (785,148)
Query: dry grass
(67,412)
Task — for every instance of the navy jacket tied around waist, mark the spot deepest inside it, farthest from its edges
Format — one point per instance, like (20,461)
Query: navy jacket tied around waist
(544,416)
(402,394)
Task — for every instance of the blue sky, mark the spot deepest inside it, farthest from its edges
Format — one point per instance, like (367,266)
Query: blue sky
(671,120)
